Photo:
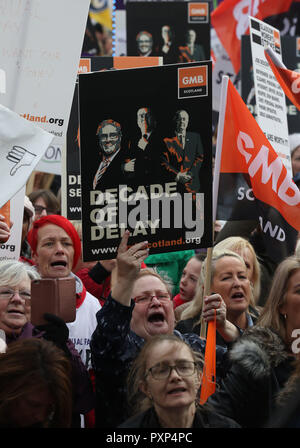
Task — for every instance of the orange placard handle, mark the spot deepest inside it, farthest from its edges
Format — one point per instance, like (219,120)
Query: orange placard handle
(208,386)
(5,211)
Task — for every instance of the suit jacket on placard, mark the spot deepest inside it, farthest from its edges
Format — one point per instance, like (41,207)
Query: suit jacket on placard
(187,159)
(147,167)
(113,176)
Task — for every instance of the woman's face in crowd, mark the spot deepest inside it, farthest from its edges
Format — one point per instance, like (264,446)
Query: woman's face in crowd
(189,278)
(15,311)
(153,311)
(175,391)
(291,306)
(231,281)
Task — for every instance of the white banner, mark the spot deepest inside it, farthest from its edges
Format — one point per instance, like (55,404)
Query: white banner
(22,145)
(40,47)
(270,98)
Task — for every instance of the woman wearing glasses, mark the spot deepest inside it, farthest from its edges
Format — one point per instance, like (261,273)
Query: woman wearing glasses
(163,386)
(15,306)
(139,307)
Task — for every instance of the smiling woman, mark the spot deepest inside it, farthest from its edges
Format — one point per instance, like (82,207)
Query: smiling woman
(15,294)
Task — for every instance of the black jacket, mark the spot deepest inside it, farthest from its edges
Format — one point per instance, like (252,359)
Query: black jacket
(260,367)
(204,418)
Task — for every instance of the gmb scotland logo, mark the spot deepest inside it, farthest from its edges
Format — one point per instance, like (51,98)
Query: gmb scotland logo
(192,82)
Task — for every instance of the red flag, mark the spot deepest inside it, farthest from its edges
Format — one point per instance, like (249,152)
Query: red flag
(242,147)
(231,20)
(208,385)
(288,79)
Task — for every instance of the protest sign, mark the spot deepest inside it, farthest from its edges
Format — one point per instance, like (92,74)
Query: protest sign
(134,125)
(178,31)
(251,181)
(71,184)
(290,57)
(22,145)
(230,20)
(270,98)
(39,53)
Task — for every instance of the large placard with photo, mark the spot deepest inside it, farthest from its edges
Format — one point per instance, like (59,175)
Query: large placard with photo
(146,162)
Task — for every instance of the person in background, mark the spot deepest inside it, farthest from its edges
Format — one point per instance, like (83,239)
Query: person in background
(45,203)
(188,281)
(170,266)
(35,386)
(28,218)
(163,384)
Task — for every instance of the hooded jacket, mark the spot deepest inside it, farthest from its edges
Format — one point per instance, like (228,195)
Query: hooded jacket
(260,366)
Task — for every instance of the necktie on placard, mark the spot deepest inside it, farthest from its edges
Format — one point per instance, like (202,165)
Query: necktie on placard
(101,171)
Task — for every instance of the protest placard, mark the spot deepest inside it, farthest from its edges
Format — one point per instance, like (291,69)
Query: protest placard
(270,98)
(71,184)
(39,53)
(146,162)
(178,31)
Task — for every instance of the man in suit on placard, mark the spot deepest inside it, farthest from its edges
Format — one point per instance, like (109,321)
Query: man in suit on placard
(109,170)
(183,155)
(142,164)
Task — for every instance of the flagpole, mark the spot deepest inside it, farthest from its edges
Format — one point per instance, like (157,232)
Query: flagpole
(216,177)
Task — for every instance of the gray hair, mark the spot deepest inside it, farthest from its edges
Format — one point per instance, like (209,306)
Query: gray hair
(12,272)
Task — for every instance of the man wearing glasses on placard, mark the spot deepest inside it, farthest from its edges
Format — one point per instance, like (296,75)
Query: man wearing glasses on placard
(109,134)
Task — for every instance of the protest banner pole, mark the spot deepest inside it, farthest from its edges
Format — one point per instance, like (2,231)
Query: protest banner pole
(216,178)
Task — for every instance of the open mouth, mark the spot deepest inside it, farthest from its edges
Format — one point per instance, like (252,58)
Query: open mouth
(59,263)
(178,390)
(13,311)
(156,318)
(237,295)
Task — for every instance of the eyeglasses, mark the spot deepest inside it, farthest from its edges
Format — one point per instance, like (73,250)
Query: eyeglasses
(39,209)
(163,371)
(111,136)
(8,294)
(162,297)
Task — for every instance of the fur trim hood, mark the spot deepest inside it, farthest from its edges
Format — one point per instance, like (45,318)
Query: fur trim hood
(258,351)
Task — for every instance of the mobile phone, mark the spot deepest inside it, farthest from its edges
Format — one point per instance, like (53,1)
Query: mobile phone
(55,296)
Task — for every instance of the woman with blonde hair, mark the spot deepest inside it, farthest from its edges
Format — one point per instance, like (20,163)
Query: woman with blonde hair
(264,358)
(245,249)
(231,289)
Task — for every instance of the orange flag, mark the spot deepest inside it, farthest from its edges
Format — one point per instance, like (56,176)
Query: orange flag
(242,147)
(231,20)
(208,386)
(288,79)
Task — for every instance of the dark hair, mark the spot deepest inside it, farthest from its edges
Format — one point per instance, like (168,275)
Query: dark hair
(49,197)
(33,362)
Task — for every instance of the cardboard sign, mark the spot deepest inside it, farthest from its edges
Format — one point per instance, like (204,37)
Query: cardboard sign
(146,162)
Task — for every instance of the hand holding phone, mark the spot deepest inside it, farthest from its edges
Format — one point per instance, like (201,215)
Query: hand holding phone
(54,296)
